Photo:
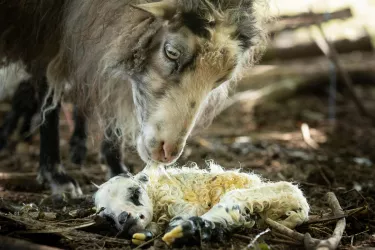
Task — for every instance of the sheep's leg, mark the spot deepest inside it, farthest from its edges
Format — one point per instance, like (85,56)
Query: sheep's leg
(30,108)
(50,169)
(7,128)
(78,149)
(26,124)
(282,202)
(24,104)
(112,156)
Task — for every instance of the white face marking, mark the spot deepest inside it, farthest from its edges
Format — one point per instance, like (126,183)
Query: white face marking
(125,194)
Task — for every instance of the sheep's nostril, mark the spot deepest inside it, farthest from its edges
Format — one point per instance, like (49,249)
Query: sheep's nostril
(123,217)
(165,152)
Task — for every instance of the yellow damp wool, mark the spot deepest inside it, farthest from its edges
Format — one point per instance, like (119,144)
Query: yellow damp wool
(176,190)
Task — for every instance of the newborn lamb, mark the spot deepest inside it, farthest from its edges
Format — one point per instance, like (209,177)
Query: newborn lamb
(196,205)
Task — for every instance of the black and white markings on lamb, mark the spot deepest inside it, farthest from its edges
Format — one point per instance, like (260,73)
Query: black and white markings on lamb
(134,195)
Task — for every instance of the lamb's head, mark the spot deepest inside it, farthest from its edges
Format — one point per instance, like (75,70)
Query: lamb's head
(124,200)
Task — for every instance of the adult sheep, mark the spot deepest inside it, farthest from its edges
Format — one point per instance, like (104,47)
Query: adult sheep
(148,72)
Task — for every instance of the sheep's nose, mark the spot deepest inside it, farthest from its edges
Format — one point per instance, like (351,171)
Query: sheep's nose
(166,152)
(170,152)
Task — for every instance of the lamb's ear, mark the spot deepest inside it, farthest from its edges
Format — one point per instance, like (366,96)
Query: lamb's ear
(142,178)
(126,175)
(165,9)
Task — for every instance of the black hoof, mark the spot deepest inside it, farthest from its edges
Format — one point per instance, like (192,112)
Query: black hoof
(193,231)
(60,182)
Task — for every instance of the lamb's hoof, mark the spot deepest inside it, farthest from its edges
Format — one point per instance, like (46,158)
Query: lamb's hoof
(60,182)
(78,151)
(192,232)
(141,237)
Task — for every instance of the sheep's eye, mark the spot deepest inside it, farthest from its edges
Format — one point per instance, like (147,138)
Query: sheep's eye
(171,52)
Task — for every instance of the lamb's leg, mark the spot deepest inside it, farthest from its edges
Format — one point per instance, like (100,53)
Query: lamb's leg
(50,169)
(282,202)
(180,211)
(77,142)
(112,156)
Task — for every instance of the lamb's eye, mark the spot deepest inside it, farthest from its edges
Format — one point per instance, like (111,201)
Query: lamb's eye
(171,52)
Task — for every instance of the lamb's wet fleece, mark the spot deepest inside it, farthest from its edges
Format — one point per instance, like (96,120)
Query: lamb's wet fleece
(192,205)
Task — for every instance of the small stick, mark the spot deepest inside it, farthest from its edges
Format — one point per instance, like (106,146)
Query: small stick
(242,237)
(17,244)
(334,240)
(331,53)
(283,229)
(148,242)
(257,237)
(327,218)
(58,230)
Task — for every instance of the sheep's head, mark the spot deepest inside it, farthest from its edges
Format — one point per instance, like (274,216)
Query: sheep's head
(183,52)
(124,200)
(201,45)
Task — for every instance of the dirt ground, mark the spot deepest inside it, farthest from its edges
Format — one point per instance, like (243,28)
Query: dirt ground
(266,139)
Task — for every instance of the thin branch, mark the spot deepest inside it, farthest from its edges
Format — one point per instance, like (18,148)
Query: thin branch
(12,243)
(285,230)
(148,242)
(331,53)
(257,237)
(335,239)
(328,218)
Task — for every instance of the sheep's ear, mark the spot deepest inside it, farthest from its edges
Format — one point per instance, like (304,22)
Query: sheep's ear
(165,9)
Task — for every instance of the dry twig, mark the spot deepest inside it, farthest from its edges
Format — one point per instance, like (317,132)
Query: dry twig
(12,243)
(331,53)
(334,240)
(257,237)
(328,218)
(312,243)
(148,242)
